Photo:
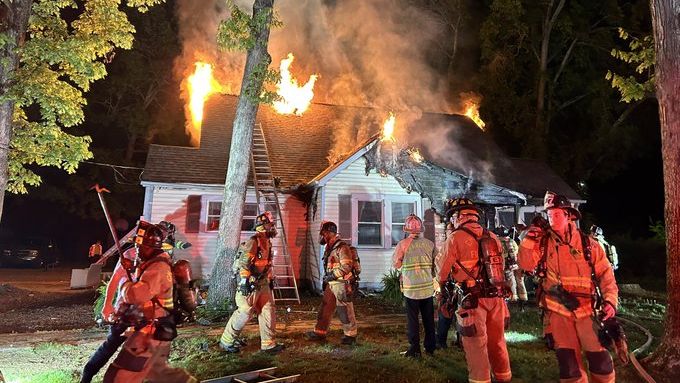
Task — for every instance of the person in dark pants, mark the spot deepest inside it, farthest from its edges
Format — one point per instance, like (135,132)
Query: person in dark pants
(414,256)
(114,340)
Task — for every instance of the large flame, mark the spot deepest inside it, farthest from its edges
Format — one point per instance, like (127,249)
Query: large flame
(415,155)
(388,128)
(472,112)
(294,99)
(200,85)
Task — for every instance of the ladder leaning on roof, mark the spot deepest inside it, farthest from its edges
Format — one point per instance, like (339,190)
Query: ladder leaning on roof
(285,286)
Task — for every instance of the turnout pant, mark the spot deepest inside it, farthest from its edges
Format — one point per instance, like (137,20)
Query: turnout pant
(424,307)
(482,331)
(260,303)
(104,352)
(345,311)
(517,287)
(145,359)
(573,336)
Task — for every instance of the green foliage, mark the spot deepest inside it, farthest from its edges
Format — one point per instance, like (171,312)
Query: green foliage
(99,301)
(58,63)
(209,314)
(641,55)
(392,287)
(659,230)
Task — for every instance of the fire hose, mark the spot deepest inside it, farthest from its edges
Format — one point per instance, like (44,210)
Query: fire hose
(100,193)
(640,370)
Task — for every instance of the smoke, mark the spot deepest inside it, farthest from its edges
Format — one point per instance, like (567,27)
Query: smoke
(368,53)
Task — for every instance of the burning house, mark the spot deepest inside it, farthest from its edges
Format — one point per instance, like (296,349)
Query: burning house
(368,190)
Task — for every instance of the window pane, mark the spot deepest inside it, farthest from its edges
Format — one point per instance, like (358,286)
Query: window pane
(213,223)
(214,208)
(250,209)
(401,210)
(247,224)
(397,233)
(369,234)
(370,211)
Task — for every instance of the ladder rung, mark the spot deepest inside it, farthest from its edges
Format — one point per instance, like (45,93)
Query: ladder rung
(284,287)
(284,276)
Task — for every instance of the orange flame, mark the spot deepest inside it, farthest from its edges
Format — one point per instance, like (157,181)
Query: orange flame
(388,128)
(294,99)
(472,112)
(200,84)
(415,155)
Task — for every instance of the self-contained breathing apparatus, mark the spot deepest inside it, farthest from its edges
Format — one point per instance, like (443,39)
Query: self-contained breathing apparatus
(490,280)
(249,284)
(346,289)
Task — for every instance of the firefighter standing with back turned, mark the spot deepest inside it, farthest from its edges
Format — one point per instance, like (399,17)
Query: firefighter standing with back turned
(253,265)
(146,350)
(574,271)
(338,262)
(414,256)
(473,257)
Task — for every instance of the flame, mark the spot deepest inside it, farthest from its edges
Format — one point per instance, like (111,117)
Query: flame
(415,155)
(388,128)
(472,112)
(294,99)
(200,87)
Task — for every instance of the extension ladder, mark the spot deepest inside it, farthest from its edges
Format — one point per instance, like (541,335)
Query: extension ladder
(260,376)
(285,284)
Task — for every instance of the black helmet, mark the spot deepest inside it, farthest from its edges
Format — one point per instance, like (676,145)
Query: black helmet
(168,227)
(329,226)
(502,231)
(558,201)
(459,204)
(149,235)
(263,219)
(596,230)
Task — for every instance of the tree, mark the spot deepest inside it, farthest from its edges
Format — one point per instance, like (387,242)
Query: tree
(665,16)
(251,34)
(50,53)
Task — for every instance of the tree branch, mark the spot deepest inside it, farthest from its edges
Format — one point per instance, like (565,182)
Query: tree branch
(564,60)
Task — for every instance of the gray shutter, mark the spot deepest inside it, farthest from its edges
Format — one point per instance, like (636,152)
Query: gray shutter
(345,216)
(428,222)
(193,222)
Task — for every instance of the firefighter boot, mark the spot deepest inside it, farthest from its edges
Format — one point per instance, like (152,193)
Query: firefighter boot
(274,350)
(230,348)
(348,340)
(313,335)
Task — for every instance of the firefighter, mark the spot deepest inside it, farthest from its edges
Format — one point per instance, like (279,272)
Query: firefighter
(116,335)
(482,314)
(572,270)
(414,256)
(338,263)
(146,307)
(513,273)
(597,234)
(448,301)
(253,267)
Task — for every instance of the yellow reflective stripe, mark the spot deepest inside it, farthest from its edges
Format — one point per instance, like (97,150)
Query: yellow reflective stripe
(506,375)
(419,286)
(414,266)
(166,302)
(346,261)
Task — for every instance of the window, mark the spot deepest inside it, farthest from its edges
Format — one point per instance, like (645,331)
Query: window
(378,220)
(213,216)
(369,223)
(400,210)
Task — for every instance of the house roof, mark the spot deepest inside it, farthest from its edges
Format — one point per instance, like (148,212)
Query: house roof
(299,148)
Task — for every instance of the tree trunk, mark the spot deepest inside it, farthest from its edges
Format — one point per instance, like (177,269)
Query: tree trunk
(666,23)
(14,23)
(222,287)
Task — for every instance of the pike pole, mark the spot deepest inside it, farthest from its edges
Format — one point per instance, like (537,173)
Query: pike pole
(100,193)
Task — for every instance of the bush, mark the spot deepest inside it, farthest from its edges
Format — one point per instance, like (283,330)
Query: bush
(391,287)
(99,301)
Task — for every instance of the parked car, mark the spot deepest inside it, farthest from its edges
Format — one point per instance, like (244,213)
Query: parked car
(29,252)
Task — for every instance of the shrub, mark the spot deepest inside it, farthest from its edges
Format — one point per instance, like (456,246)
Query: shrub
(391,287)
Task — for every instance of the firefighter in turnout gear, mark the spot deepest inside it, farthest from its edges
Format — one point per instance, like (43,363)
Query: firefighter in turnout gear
(513,273)
(597,234)
(146,307)
(473,257)
(339,264)
(415,257)
(577,290)
(253,269)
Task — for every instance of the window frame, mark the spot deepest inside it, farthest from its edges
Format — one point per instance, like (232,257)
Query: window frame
(207,200)
(386,224)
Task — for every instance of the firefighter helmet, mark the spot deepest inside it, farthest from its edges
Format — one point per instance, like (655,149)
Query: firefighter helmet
(168,227)
(596,231)
(149,235)
(557,201)
(464,205)
(263,219)
(413,224)
(329,226)
(502,231)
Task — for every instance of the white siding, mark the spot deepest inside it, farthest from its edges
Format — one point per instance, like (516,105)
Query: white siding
(353,180)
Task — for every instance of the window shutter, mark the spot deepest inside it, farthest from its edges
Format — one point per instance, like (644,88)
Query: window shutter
(428,222)
(193,223)
(345,216)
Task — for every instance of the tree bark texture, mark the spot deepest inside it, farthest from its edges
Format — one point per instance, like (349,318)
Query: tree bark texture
(222,288)
(14,23)
(666,23)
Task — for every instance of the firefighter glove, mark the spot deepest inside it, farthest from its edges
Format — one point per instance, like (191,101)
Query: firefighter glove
(608,311)
(329,277)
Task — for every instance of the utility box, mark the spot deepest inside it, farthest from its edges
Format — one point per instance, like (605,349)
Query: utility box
(84,278)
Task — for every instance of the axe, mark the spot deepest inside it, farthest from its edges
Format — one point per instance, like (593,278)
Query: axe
(100,192)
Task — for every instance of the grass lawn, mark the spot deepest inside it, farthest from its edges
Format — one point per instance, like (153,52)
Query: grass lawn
(375,359)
